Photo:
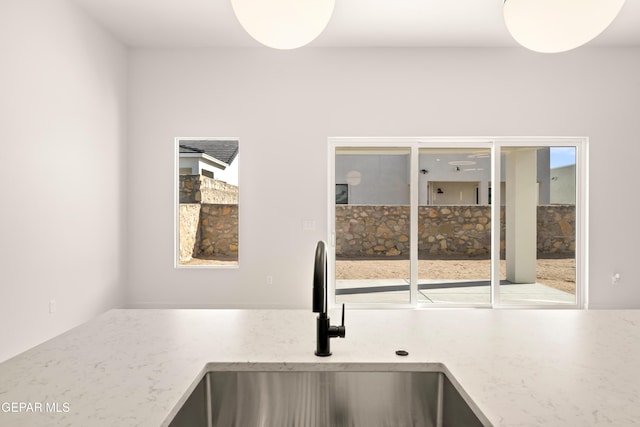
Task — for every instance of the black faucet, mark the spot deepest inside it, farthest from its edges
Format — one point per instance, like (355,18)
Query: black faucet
(324,330)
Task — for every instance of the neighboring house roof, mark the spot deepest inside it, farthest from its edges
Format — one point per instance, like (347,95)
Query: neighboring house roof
(223,150)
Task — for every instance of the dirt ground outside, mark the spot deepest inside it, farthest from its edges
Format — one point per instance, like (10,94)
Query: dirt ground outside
(556,273)
(210,261)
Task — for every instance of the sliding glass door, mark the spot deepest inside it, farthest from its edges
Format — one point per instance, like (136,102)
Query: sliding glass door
(372,220)
(454,226)
(539,225)
(455,222)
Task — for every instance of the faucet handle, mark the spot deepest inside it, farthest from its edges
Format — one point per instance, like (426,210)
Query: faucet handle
(341,329)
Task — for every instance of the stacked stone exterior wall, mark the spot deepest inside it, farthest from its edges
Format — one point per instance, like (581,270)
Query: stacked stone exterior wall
(372,231)
(208,218)
(368,231)
(447,231)
(189,226)
(557,230)
(208,230)
(202,189)
(218,230)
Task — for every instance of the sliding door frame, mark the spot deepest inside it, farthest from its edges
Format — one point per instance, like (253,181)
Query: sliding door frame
(495,145)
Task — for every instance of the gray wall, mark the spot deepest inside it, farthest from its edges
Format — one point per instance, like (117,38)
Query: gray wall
(284,104)
(383,179)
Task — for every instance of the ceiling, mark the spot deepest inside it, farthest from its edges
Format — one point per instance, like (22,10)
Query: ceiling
(355,23)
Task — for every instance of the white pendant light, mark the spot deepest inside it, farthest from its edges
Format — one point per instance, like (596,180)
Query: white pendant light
(558,25)
(283,24)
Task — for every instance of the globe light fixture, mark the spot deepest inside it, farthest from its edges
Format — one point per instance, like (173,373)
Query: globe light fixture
(283,24)
(551,26)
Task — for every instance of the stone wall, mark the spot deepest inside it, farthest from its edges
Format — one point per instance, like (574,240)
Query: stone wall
(557,229)
(367,231)
(189,226)
(208,218)
(372,231)
(208,231)
(446,231)
(202,189)
(218,230)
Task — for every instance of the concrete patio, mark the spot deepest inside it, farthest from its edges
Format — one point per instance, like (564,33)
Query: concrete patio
(448,292)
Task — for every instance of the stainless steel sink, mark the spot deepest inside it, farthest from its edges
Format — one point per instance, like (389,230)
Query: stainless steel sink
(328,398)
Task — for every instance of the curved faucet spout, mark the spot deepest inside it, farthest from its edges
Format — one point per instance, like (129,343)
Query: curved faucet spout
(320,279)
(324,330)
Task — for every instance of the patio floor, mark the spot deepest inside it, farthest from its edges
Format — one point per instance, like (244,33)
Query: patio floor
(447,292)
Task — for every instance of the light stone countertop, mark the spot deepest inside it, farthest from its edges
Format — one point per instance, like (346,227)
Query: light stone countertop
(521,367)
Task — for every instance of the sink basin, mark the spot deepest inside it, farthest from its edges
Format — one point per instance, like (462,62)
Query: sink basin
(328,398)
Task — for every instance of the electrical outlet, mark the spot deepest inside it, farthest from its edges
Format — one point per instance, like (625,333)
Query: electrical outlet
(308,225)
(269,279)
(52,306)
(615,279)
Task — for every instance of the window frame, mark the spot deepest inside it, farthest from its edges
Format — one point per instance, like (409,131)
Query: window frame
(495,144)
(176,205)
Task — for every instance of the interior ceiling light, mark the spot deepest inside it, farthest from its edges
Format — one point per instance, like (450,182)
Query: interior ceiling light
(283,24)
(551,26)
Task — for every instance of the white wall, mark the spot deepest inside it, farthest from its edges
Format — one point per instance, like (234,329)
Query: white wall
(284,104)
(563,185)
(230,173)
(62,223)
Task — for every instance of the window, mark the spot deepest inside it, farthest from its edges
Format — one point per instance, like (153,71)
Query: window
(342,194)
(206,201)
(418,227)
